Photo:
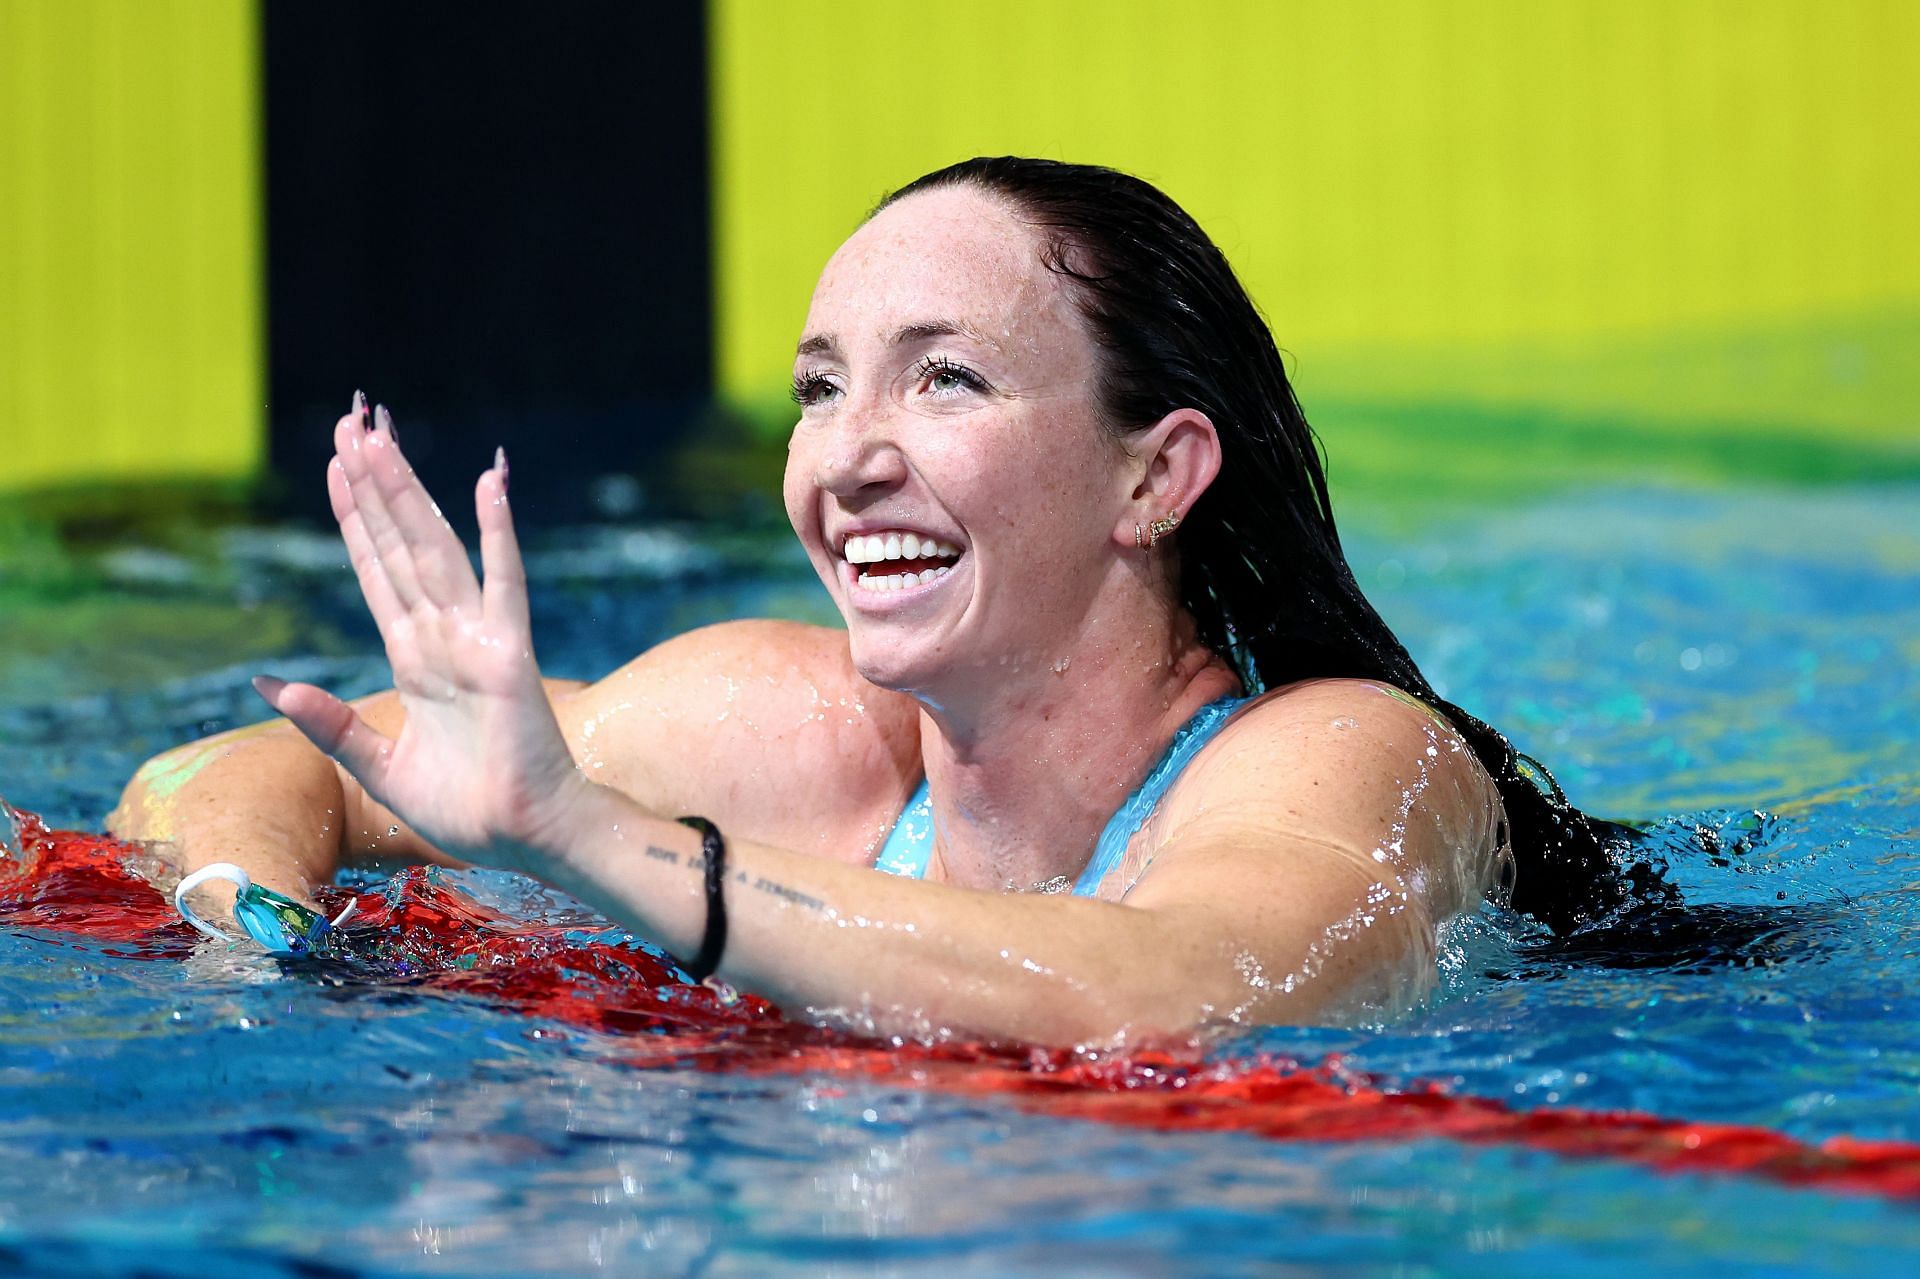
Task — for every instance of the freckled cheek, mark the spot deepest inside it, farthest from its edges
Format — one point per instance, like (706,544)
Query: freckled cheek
(801,500)
(1033,493)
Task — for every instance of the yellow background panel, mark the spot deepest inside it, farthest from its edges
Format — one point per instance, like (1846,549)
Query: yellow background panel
(130,329)
(1673,209)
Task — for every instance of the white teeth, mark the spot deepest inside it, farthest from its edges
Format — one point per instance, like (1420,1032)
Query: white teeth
(901,581)
(876,547)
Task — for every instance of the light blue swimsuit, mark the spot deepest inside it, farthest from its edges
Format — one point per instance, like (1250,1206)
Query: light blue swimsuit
(910,844)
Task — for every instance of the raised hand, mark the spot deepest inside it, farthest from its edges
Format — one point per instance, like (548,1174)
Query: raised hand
(480,768)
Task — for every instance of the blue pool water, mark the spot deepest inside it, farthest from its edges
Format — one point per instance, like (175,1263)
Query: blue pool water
(1744,657)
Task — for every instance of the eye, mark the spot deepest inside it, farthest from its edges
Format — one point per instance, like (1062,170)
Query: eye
(811,387)
(945,379)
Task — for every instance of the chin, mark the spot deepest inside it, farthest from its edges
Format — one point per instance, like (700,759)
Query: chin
(885,662)
(885,666)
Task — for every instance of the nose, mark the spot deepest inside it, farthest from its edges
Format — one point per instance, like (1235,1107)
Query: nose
(858,452)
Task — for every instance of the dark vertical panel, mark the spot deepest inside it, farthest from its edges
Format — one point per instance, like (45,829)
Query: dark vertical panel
(495,218)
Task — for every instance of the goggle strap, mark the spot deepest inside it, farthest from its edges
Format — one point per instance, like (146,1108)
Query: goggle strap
(243,885)
(217,870)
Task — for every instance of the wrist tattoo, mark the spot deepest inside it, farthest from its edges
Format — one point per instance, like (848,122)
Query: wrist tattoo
(792,896)
(759,883)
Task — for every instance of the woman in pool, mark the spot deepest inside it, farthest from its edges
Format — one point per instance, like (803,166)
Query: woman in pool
(1109,704)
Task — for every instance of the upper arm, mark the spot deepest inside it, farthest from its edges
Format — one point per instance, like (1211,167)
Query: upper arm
(762,726)
(1322,839)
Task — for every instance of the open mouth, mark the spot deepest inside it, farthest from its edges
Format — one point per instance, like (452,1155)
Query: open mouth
(897,559)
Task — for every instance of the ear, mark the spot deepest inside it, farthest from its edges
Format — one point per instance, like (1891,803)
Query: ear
(1172,463)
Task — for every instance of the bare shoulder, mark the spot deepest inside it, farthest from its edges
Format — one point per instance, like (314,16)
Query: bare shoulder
(1352,771)
(780,652)
(1349,736)
(762,725)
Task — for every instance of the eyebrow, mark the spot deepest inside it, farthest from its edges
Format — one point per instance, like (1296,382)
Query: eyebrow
(823,344)
(939,329)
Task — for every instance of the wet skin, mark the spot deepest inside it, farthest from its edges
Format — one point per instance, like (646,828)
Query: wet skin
(1296,871)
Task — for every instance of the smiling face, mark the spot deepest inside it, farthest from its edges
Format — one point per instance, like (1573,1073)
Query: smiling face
(949,475)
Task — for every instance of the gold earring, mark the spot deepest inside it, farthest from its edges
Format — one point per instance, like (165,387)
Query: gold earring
(1160,528)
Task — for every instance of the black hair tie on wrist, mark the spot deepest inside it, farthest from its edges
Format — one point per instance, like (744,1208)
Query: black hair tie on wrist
(714,942)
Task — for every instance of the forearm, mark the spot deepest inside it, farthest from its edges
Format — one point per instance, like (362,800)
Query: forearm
(899,956)
(262,798)
(266,799)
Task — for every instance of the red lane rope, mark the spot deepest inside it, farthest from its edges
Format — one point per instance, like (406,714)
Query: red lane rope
(77,884)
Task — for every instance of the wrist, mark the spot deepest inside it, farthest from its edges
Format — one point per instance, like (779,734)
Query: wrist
(573,820)
(594,846)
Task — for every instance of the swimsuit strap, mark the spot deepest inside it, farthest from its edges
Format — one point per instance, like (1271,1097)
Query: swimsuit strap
(1133,814)
(909,845)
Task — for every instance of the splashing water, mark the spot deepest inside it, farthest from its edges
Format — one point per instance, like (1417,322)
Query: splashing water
(13,855)
(419,930)
(521,1086)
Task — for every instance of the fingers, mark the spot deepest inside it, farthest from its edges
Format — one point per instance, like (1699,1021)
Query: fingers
(350,438)
(423,558)
(334,727)
(375,585)
(504,578)
(439,560)
(402,549)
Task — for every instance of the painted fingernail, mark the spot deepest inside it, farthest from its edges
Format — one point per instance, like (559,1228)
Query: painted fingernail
(268,686)
(500,465)
(384,420)
(360,409)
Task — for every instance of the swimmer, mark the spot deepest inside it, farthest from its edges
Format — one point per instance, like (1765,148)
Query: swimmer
(1112,747)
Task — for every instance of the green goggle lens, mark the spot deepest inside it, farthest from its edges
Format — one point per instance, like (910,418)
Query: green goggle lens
(280,923)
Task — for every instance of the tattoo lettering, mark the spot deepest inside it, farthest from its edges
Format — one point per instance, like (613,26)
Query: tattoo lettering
(698,862)
(791,895)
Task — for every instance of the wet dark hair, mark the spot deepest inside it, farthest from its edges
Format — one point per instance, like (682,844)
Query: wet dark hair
(1261,566)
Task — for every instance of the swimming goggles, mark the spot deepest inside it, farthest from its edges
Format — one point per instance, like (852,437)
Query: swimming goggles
(277,922)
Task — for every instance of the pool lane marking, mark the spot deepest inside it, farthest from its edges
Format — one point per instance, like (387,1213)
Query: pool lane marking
(78,883)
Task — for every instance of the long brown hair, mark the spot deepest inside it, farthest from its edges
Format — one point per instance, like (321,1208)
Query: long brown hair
(1261,566)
